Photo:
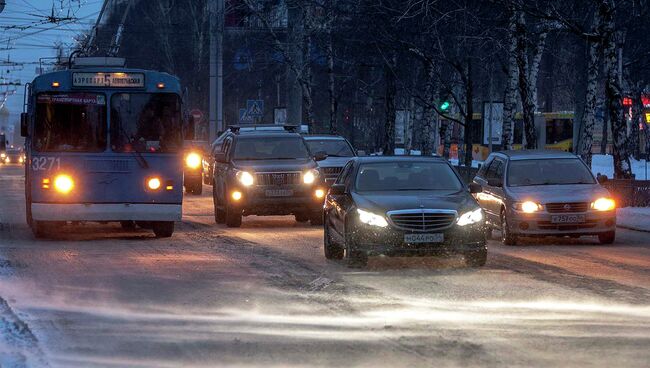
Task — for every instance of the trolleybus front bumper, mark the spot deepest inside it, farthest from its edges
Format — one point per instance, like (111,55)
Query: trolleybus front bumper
(106,212)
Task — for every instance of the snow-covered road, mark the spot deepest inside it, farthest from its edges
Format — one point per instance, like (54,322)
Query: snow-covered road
(264,295)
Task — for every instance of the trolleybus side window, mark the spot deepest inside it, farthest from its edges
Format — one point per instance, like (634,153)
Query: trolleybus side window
(70,122)
(146,122)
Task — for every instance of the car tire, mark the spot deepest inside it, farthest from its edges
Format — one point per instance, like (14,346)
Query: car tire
(507,237)
(607,238)
(332,250)
(233,216)
(301,217)
(316,219)
(219,214)
(145,224)
(163,229)
(127,225)
(355,258)
(476,258)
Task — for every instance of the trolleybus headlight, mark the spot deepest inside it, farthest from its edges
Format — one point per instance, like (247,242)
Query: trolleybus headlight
(319,193)
(237,195)
(2,155)
(193,160)
(603,204)
(309,177)
(245,178)
(21,160)
(154,183)
(63,184)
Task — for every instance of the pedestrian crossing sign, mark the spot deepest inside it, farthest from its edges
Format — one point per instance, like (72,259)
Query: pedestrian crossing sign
(255,108)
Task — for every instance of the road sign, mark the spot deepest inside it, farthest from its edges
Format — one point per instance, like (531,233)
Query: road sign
(255,108)
(402,118)
(197,115)
(492,122)
(244,117)
(280,115)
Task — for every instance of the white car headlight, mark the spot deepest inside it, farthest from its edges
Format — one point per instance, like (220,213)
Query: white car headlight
(309,177)
(470,217)
(528,206)
(370,218)
(603,204)
(245,178)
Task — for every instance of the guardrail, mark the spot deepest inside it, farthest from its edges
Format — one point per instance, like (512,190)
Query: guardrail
(629,193)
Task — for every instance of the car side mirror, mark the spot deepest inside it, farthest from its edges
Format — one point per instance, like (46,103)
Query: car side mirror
(24,124)
(320,156)
(475,188)
(337,189)
(495,182)
(220,157)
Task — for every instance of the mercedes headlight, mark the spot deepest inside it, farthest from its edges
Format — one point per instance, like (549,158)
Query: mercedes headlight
(371,219)
(309,177)
(245,178)
(603,204)
(470,217)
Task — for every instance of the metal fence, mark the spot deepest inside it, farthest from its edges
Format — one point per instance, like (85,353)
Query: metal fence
(629,193)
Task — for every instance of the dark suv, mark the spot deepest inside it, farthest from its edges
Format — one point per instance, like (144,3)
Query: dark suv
(266,173)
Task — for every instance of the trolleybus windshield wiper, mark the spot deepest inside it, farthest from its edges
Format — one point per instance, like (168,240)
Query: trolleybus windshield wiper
(138,156)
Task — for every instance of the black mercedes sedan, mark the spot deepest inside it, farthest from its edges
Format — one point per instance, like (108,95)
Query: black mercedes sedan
(402,206)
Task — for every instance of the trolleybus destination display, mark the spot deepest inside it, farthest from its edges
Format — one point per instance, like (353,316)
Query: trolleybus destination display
(128,80)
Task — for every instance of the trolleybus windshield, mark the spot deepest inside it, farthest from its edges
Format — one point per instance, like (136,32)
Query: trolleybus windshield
(146,122)
(70,122)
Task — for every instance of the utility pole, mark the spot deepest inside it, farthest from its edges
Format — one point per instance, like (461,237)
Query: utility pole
(295,33)
(216,11)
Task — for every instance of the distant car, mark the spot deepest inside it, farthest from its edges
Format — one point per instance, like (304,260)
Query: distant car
(266,173)
(13,156)
(339,152)
(193,168)
(405,205)
(544,193)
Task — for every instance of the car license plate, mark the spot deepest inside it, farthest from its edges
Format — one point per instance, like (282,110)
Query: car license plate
(424,238)
(279,192)
(567,219)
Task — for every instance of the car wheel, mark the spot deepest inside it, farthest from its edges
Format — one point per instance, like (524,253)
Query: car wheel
(127,225)
(219,214)
(332,250)
(301,217)
(476,258)
(233,216)
(354,257)
(163,229)
(316,218)
(607,238)
(507,237)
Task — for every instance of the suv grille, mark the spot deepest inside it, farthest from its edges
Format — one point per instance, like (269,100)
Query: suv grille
(567,207)
(422,220)
(331,173)
(287,178)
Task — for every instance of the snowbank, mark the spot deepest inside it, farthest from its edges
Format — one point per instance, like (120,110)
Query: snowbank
(604,164)
(637,218)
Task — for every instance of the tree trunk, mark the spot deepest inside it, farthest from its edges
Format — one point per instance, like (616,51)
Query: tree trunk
(469,113)
(637,117)
(589,115)
(428,114)
(525,88)
(331,86)
(391,92)
(510,104)
(622,168)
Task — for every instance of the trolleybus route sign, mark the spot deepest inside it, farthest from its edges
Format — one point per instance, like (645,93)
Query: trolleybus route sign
(126,80)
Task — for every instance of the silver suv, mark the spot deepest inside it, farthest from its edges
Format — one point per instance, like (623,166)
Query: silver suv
(544,193)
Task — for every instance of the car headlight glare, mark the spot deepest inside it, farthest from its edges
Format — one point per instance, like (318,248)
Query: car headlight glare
(193,160)
(154,183)
(63,184)
(603,204)
(245,178)
(371,219)
(470,217)
(309,177)
(2,155)
(528,207)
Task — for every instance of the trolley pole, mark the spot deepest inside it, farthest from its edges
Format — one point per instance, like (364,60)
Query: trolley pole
(216,12)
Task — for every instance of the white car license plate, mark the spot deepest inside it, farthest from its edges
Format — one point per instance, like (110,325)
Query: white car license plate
(567,219)
(424,238)
(279,192)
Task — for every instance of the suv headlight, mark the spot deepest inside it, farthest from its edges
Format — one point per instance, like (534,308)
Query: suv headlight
(309,177)
(603,204)
(528,206)
(470,217)
(245,178)
(370,218)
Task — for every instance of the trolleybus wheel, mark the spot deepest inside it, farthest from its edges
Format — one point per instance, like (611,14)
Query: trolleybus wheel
(128,225)
(163,229)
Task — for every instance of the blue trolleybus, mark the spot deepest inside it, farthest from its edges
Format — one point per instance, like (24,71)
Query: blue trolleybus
(104,144)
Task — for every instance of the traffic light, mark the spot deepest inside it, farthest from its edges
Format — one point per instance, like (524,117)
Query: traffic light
(444,106)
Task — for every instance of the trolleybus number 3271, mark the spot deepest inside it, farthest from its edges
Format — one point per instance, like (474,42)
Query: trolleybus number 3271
(46,163)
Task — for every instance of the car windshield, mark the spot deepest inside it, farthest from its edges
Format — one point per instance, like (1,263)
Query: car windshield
(70,122)
(146,122)
(333,147)
(270,148)
(407,176)
(548,172)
